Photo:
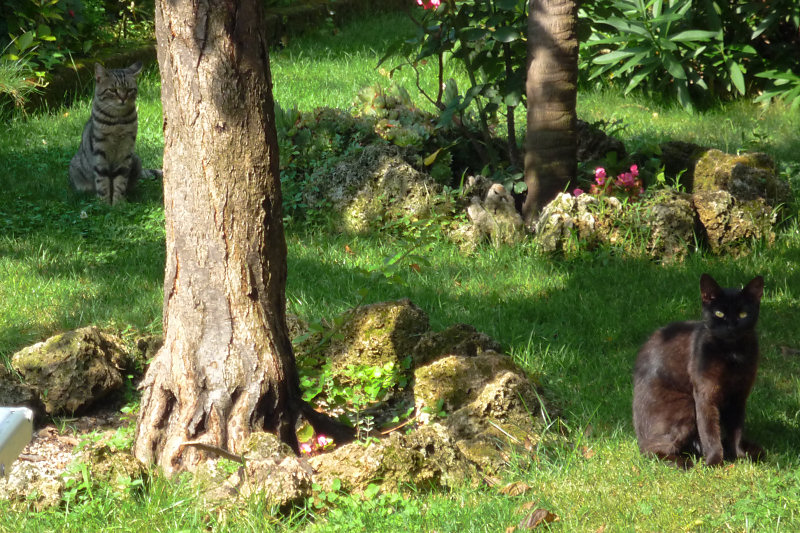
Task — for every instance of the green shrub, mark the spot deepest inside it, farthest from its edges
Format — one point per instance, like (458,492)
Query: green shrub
(694,51)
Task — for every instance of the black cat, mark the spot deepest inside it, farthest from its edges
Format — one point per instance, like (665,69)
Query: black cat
(692,379)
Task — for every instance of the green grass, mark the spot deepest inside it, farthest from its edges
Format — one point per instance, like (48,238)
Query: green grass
(575,323)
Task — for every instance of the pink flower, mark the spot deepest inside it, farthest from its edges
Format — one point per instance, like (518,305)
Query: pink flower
(600,176)
(626,179)
(635,170)
(429,4)
(577,192)
(323,441)
(305,448)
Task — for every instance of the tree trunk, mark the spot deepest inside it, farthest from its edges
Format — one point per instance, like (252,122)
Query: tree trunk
(551,88)
(227,366)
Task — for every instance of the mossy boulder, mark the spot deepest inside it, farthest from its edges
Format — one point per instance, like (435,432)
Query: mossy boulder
(671,218)
(570,217)
(746,177)
(71,371)
(32,484)
(13,392)
(495,218)
(489,404)
(663,221)
(427,457)
(378,185)
(377,334)
(458,339)
(729,224)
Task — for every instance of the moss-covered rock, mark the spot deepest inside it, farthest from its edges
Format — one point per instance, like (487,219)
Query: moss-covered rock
(374,186)
(488,404)
(729,224)
(13,392)
(746,177)
(458,339)
(33,485)
(456,380)
(71,371)
(109,462)
(377,334)
(427,457)
(671,218)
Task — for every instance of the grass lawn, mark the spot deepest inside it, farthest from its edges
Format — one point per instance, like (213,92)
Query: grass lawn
(575,323)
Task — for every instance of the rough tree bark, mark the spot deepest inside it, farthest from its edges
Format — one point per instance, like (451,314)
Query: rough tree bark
(226,367)
(551,88)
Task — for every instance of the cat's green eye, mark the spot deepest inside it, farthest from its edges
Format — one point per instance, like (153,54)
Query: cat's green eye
(743,314)
(719,314)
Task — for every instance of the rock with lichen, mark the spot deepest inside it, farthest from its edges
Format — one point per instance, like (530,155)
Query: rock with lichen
(427,458)
(458,339)
(375,186)
(109,461)
(746,177)
(496,218)
(729,224)
(671,219)
(32,484)
(71,371)
(488,403)
(377,334)
(272,471)
(14,392)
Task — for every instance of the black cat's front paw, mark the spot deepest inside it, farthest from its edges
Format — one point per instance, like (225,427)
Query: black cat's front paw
(713,459)
(751,451)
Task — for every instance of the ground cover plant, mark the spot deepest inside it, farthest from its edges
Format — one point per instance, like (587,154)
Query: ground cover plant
(575,323)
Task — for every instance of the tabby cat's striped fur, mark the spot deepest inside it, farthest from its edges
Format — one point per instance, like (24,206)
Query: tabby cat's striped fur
(106,163)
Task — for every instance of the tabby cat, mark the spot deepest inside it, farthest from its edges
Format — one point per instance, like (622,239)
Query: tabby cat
(692,379)
(106,163)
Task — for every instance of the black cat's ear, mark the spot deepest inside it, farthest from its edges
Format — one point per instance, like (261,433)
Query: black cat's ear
(709,289)
(755,288)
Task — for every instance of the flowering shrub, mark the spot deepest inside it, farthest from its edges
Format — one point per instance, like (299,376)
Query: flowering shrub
(626,184)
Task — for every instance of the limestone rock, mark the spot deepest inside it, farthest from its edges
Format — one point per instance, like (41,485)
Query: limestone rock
(567,216)
(427,457)
(377,334)
(489,402)
(458,339)
(109,462)
(13,392)
(380,185)
(71,371)
(746,177)
(496,218)
(671,219)
(30,483)
(729,224)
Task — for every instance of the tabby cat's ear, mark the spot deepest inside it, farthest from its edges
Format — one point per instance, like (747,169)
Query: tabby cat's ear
(99,72)
(755,288)
(709,289)
(135,69)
